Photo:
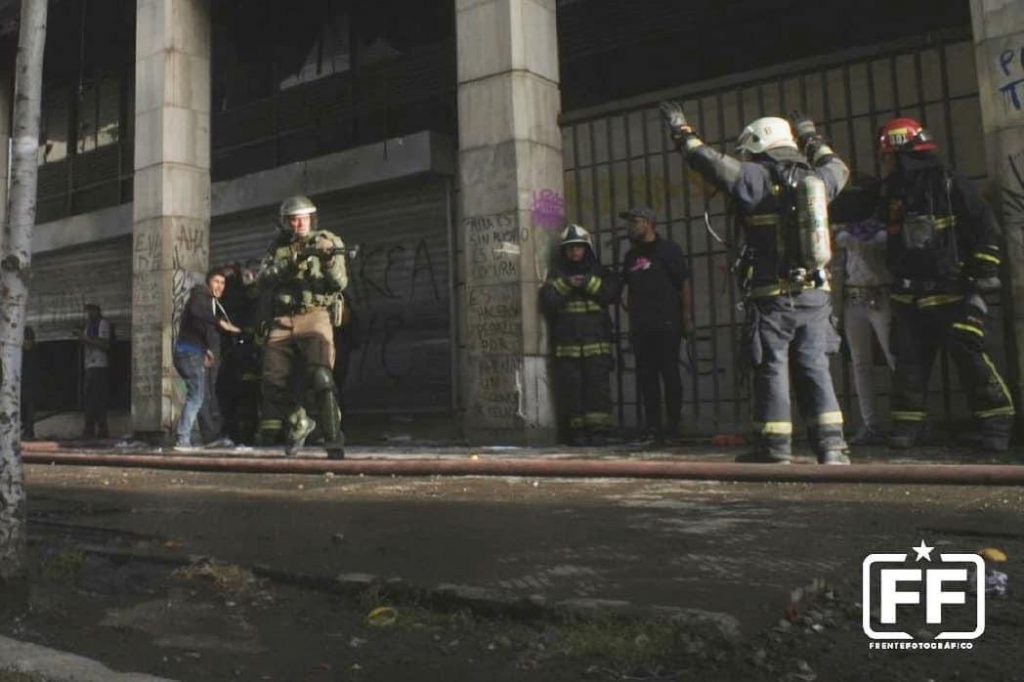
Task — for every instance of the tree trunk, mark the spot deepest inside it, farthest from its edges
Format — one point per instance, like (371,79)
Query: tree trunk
(15,263)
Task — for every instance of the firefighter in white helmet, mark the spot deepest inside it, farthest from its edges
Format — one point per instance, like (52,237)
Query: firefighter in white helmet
(780,187)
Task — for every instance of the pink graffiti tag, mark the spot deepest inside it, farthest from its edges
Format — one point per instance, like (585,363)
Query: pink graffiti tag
(548,210)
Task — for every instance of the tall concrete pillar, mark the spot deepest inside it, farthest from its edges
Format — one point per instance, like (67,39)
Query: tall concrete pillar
(171,212)
(510,196)
(6,106)
(999,55)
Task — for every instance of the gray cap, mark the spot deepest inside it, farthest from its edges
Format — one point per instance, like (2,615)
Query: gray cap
(638,212)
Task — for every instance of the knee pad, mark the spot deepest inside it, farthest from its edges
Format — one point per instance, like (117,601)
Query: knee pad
(321,379)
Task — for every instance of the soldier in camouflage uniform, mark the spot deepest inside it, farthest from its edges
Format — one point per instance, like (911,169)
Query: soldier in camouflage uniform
(305,274)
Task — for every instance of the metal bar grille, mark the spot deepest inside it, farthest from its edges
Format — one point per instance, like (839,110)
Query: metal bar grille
(849,97)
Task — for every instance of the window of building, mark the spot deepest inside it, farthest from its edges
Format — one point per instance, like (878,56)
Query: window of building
(54,122)
(330,52)
(99,113)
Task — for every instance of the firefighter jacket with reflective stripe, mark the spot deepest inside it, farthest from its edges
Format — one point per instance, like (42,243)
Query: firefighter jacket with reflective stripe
(939,228)
(766,207)
(578,318)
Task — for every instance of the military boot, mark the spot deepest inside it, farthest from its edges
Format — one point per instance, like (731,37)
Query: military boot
(300,426)
(336,448)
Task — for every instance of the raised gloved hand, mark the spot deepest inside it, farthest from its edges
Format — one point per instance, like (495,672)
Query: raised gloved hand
(803,128)
(675,119)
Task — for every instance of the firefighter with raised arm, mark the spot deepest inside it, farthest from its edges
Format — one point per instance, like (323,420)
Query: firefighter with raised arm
(305,275)
(943,252)
(781,190)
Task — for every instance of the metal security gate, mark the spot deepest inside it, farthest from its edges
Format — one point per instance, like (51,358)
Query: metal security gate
(64,281)
(619,155)
(399,288)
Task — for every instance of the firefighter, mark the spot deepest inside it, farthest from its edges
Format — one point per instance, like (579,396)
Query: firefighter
(780,194)
(305,274)
(943,252)
(576,297)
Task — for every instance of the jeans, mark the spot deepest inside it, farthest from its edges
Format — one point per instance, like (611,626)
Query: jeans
(190,367)
(863,320)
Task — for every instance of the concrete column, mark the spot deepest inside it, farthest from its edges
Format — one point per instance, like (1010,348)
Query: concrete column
(510,196)
(999,55)
(171,213)
(6,104)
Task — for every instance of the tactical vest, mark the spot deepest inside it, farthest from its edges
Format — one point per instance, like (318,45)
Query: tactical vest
(309,286)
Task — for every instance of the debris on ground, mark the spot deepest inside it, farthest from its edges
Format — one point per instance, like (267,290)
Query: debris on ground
(224,577)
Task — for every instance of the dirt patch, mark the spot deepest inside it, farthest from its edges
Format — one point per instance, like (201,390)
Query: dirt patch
(215,621)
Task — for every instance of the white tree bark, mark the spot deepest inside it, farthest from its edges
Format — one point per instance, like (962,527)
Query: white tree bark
(15,268)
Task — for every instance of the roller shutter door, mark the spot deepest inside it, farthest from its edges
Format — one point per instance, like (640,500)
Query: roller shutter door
(398,287)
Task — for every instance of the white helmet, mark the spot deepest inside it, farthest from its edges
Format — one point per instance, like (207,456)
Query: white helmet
(576,234)
(766,133)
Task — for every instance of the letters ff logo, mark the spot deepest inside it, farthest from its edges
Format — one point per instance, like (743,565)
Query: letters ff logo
(898,585)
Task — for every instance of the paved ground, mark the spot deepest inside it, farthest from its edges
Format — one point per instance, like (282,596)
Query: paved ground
(728,552)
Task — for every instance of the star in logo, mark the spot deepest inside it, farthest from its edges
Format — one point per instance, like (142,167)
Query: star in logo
(923,552)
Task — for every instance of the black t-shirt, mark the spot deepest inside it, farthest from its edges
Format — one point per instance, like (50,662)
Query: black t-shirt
(654,272)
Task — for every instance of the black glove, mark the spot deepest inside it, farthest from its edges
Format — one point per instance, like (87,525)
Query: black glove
(807,136)
(675,119)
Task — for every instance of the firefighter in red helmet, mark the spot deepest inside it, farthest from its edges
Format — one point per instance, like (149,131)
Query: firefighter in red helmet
(943,252)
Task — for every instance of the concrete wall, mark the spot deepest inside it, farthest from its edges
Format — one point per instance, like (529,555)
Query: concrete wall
(999,48)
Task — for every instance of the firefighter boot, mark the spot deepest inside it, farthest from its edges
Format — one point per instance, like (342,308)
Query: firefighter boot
(995,433)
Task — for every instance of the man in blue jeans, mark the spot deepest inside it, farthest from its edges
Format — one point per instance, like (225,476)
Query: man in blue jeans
(196,352)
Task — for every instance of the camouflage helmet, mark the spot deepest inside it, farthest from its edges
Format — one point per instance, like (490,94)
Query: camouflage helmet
(299,204)
(576,234)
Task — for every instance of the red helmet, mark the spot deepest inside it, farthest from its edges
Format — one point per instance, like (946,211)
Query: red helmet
(906,135)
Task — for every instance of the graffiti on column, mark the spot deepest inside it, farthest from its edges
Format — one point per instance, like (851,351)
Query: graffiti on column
(1013,193)
(146,306)
(493,246)
(1011,75)
(494,333)
(498,388)
(547,210)
(188,257)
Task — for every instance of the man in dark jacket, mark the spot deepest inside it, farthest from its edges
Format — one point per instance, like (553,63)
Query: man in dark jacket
(576,297)
(196,353)
(659,301)
(784,278)
(943,252)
